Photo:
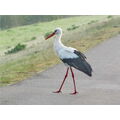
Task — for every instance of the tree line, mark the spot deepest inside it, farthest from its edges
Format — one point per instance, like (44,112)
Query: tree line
(9,21)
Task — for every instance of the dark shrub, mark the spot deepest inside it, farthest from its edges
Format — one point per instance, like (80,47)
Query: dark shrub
(33,38)
(17,48)
(109,16)
(73,27)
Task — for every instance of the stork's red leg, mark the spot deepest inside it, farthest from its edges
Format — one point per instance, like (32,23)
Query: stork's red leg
(63,81)
(73,81)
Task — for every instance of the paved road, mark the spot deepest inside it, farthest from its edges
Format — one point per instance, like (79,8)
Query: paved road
(102,88)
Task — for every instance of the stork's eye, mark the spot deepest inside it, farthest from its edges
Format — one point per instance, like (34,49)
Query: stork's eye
(55,31)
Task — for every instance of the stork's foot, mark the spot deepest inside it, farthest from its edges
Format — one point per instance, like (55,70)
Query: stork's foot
(74,93)
(57,91)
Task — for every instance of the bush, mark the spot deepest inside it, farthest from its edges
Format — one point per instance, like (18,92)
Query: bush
(109,16)
(33,38)
(73,27)
(93,21)
(17,48)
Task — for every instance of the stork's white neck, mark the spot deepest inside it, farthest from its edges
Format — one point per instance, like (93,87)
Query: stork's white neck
(57,43)
(58,37)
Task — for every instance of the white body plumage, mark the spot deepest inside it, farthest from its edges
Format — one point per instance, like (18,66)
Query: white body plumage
(62,51)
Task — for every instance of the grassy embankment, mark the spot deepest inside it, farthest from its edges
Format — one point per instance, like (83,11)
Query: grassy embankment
(39,54)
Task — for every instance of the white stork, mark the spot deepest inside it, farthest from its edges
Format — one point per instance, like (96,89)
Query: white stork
(71,57)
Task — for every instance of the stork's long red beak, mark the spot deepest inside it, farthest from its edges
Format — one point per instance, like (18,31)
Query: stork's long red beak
(50,36)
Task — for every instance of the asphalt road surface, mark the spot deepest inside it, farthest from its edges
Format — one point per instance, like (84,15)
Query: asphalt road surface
(102,88)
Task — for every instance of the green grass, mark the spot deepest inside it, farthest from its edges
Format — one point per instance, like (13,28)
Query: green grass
(39,54)
(17,35)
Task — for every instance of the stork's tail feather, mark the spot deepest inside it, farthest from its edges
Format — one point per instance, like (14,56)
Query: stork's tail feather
(88,69)
(88,72)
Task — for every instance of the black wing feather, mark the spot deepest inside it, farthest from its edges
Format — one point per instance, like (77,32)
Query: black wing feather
(80,54)
(79,63)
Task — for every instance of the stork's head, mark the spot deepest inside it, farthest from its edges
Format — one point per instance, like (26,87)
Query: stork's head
(58,31)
